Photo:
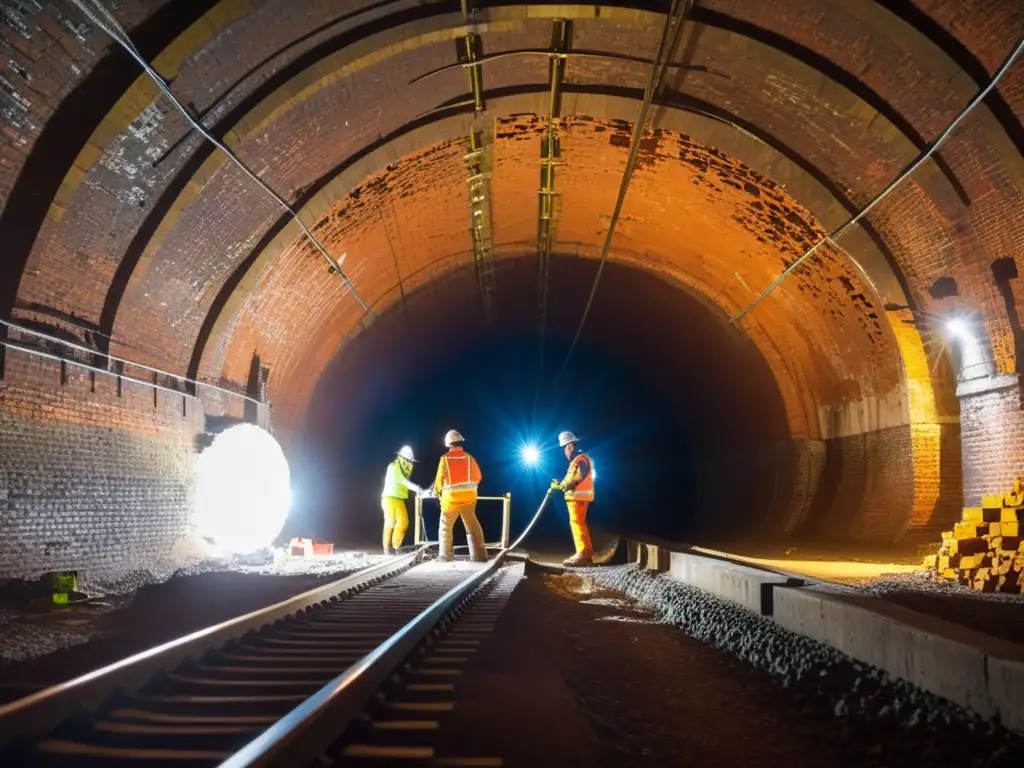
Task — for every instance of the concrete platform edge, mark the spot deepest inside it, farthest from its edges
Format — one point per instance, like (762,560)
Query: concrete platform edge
(966,667)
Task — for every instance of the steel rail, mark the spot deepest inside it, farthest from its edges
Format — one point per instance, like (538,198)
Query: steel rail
(45,710)
(310,728)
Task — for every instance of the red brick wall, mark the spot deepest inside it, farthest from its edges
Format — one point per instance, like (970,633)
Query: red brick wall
(992,428)
(90,479)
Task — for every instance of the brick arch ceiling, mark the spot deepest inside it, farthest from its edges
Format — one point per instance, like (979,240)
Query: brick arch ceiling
(780,120)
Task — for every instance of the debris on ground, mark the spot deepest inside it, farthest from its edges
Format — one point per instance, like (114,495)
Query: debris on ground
(32,627)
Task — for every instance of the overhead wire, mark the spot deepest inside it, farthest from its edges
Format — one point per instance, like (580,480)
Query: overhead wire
(931,150)
(673,23)
(103,19)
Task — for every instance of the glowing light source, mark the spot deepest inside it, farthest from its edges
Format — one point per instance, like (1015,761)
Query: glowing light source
(243,489)
(530,455)
(957,328)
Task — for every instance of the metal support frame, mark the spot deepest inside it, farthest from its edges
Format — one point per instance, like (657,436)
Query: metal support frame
(191,386)
(506,518)
(469,50)
(550,157)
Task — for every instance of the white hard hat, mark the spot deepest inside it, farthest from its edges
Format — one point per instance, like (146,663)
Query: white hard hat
(564,438)
(453,436)
(405,452)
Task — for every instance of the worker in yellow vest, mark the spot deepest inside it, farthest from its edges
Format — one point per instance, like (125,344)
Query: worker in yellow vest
(578,489)
(392,499)
(458,477)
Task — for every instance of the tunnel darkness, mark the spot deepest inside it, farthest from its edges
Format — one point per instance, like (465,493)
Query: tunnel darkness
(663,392)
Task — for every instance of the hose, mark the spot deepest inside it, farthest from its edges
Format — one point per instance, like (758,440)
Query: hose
(529,527)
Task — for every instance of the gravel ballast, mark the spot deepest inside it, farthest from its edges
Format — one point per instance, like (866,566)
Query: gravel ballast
(42,644)
(901,724)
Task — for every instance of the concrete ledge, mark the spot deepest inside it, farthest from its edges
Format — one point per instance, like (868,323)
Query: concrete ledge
(974,670)
(1006,686)
(752,588)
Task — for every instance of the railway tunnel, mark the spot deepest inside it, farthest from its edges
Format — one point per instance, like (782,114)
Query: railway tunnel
(763,256)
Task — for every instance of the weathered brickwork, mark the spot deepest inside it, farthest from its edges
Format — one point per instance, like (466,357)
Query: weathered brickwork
(116,219)
(741,219)
(853,489)
(90,479)
(992,428)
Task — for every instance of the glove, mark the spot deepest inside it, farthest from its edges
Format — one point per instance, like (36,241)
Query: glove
(556,486)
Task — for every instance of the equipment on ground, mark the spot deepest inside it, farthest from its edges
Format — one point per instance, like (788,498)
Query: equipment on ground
(65,585)
(453,436)
(302,547)
(564,438)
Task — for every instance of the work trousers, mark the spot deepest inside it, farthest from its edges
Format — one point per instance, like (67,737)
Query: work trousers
(578,525)
(474,533)
(396,521)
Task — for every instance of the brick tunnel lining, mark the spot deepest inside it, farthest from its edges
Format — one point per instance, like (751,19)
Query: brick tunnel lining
(858,476)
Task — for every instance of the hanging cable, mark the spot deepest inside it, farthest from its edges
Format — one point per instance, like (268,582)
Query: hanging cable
(673,24)
(103,19)
(932,149)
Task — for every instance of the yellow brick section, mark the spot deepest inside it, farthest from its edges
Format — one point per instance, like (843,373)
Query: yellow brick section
(985,550)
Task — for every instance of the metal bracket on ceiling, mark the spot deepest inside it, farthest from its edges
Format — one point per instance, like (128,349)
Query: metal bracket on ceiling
(550,157)
(469,49)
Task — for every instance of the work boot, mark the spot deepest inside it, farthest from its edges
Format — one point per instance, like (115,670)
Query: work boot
(477,550)
(389,551)
(579,560)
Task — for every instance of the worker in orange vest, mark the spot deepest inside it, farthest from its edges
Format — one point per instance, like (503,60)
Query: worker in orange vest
(458,476)
(578,489)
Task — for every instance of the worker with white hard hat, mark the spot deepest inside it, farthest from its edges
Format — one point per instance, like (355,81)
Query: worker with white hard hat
(392,499)
(458,477)
(578,489)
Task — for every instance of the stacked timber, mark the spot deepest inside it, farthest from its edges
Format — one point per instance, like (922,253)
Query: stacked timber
(985,550)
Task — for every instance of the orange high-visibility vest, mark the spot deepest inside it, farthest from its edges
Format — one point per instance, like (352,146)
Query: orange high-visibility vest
(584,491)
(459,477)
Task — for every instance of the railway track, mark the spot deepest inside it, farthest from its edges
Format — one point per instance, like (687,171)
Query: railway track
(357,672)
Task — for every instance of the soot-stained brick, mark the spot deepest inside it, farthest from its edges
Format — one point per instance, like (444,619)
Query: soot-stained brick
(92,480)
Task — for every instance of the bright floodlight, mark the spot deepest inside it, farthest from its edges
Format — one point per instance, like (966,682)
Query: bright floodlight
(243,489)
(958,329)
(530,455)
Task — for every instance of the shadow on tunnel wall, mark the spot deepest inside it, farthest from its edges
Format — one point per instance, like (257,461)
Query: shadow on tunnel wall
(683,416)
